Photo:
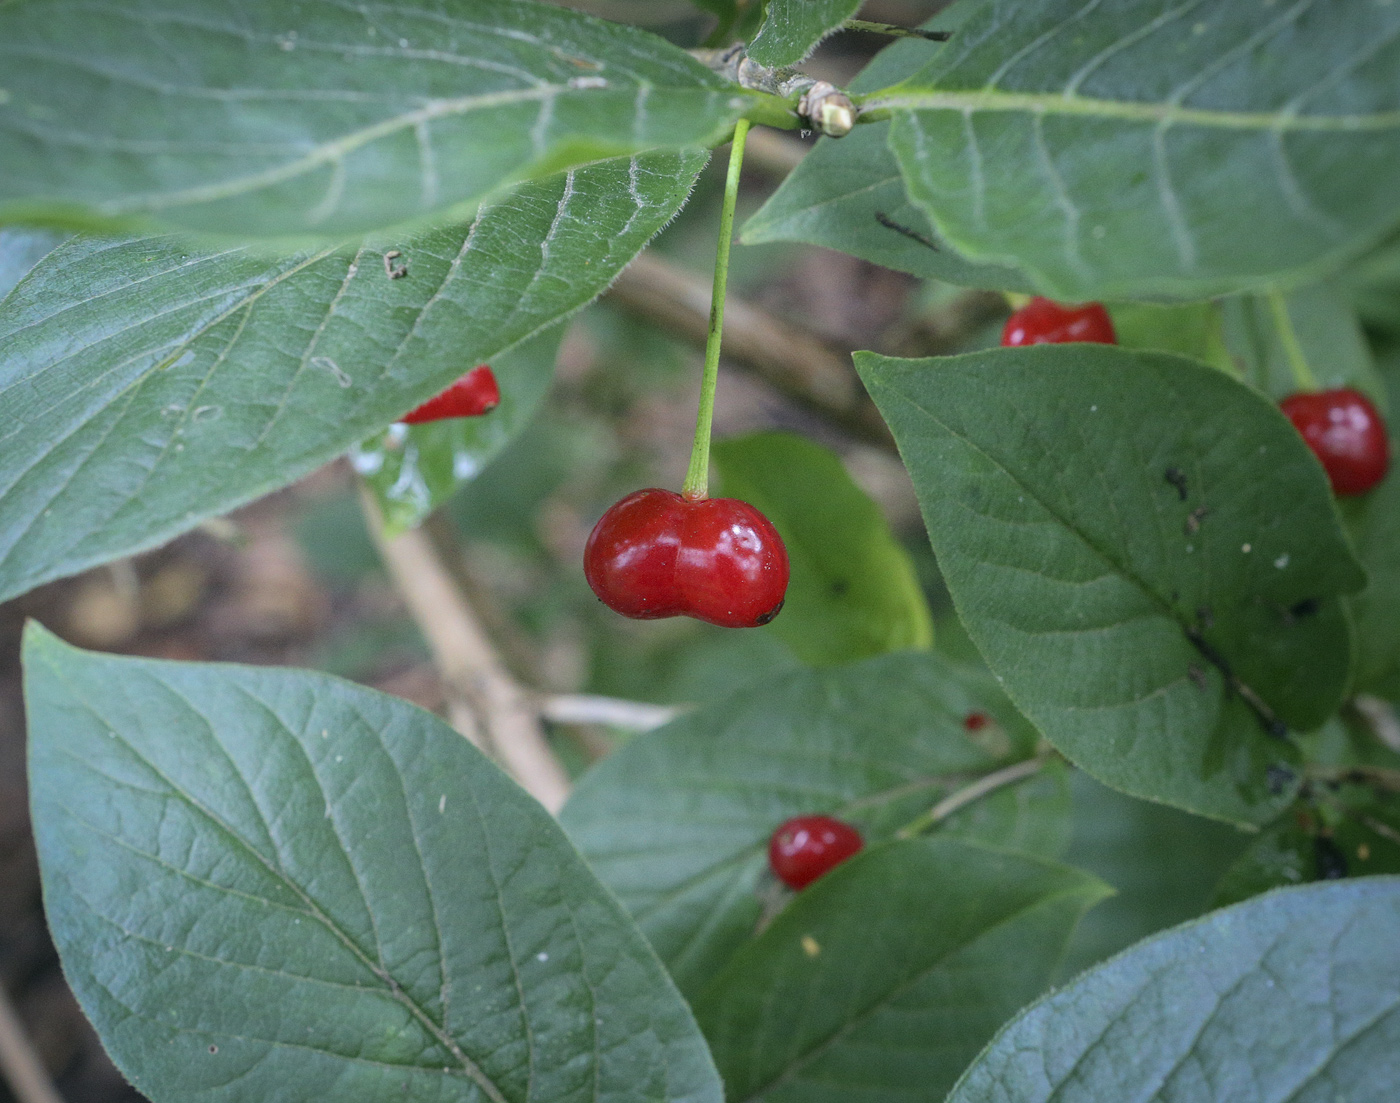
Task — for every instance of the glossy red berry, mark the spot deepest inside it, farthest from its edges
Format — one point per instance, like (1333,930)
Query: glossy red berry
(1346,433)
(656,554)
(476,393)
(1042,322)
(805,847)
(976,721)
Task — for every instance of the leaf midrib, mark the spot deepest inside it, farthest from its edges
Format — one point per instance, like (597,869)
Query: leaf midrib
(1161,114)
(1122,570)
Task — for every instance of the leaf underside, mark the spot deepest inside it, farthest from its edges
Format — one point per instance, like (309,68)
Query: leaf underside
(325,119)
(793,28)
(152,384)
(1292,996)
(1136,148)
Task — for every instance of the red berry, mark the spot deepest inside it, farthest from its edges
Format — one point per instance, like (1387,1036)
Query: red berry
(1346,433)
(805,847)
(656,554)
(976,721)
(1042,322)
(476,393)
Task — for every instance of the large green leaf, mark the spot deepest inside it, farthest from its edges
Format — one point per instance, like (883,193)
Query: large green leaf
(1133,148)
(884,979)
(275,885)
(794,27)
(413,469)
(677,822)
(848,194)
(853,592)
(261,119)
(151,384)
(1144,550)
(1294,996)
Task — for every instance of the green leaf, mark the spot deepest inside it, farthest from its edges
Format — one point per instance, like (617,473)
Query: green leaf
(884,979)
(1131,150)
(853,592)
(677,822)
(413,469)
(847,193)
(794,27)
(155,384)
(266,882)
(323,119)
(1355,834)
(1374,522)
(20,250)
(1143,549)
(1289,997)
(1188,329)
(1306,339)
(1163,864)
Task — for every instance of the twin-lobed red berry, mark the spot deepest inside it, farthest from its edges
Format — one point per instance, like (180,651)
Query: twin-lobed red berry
(805,847)
(476,393)
(657,554)
(1346,433)
(1043,322)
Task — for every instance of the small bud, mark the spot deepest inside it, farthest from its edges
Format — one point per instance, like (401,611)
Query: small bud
(837,118)
(828,109)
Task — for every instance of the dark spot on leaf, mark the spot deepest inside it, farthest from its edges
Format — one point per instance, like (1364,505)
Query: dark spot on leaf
(840,587)
(1177,478)
(1197,676)
(1206,616)
(890,224)
(1308,607)
(213,1049)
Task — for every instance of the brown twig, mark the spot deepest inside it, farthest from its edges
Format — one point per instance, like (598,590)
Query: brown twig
(22,1068)
(485,703)
(787,358)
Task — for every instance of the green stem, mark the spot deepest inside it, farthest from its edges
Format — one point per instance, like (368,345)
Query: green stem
(697,477)
(1292,349)
(1009,775)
